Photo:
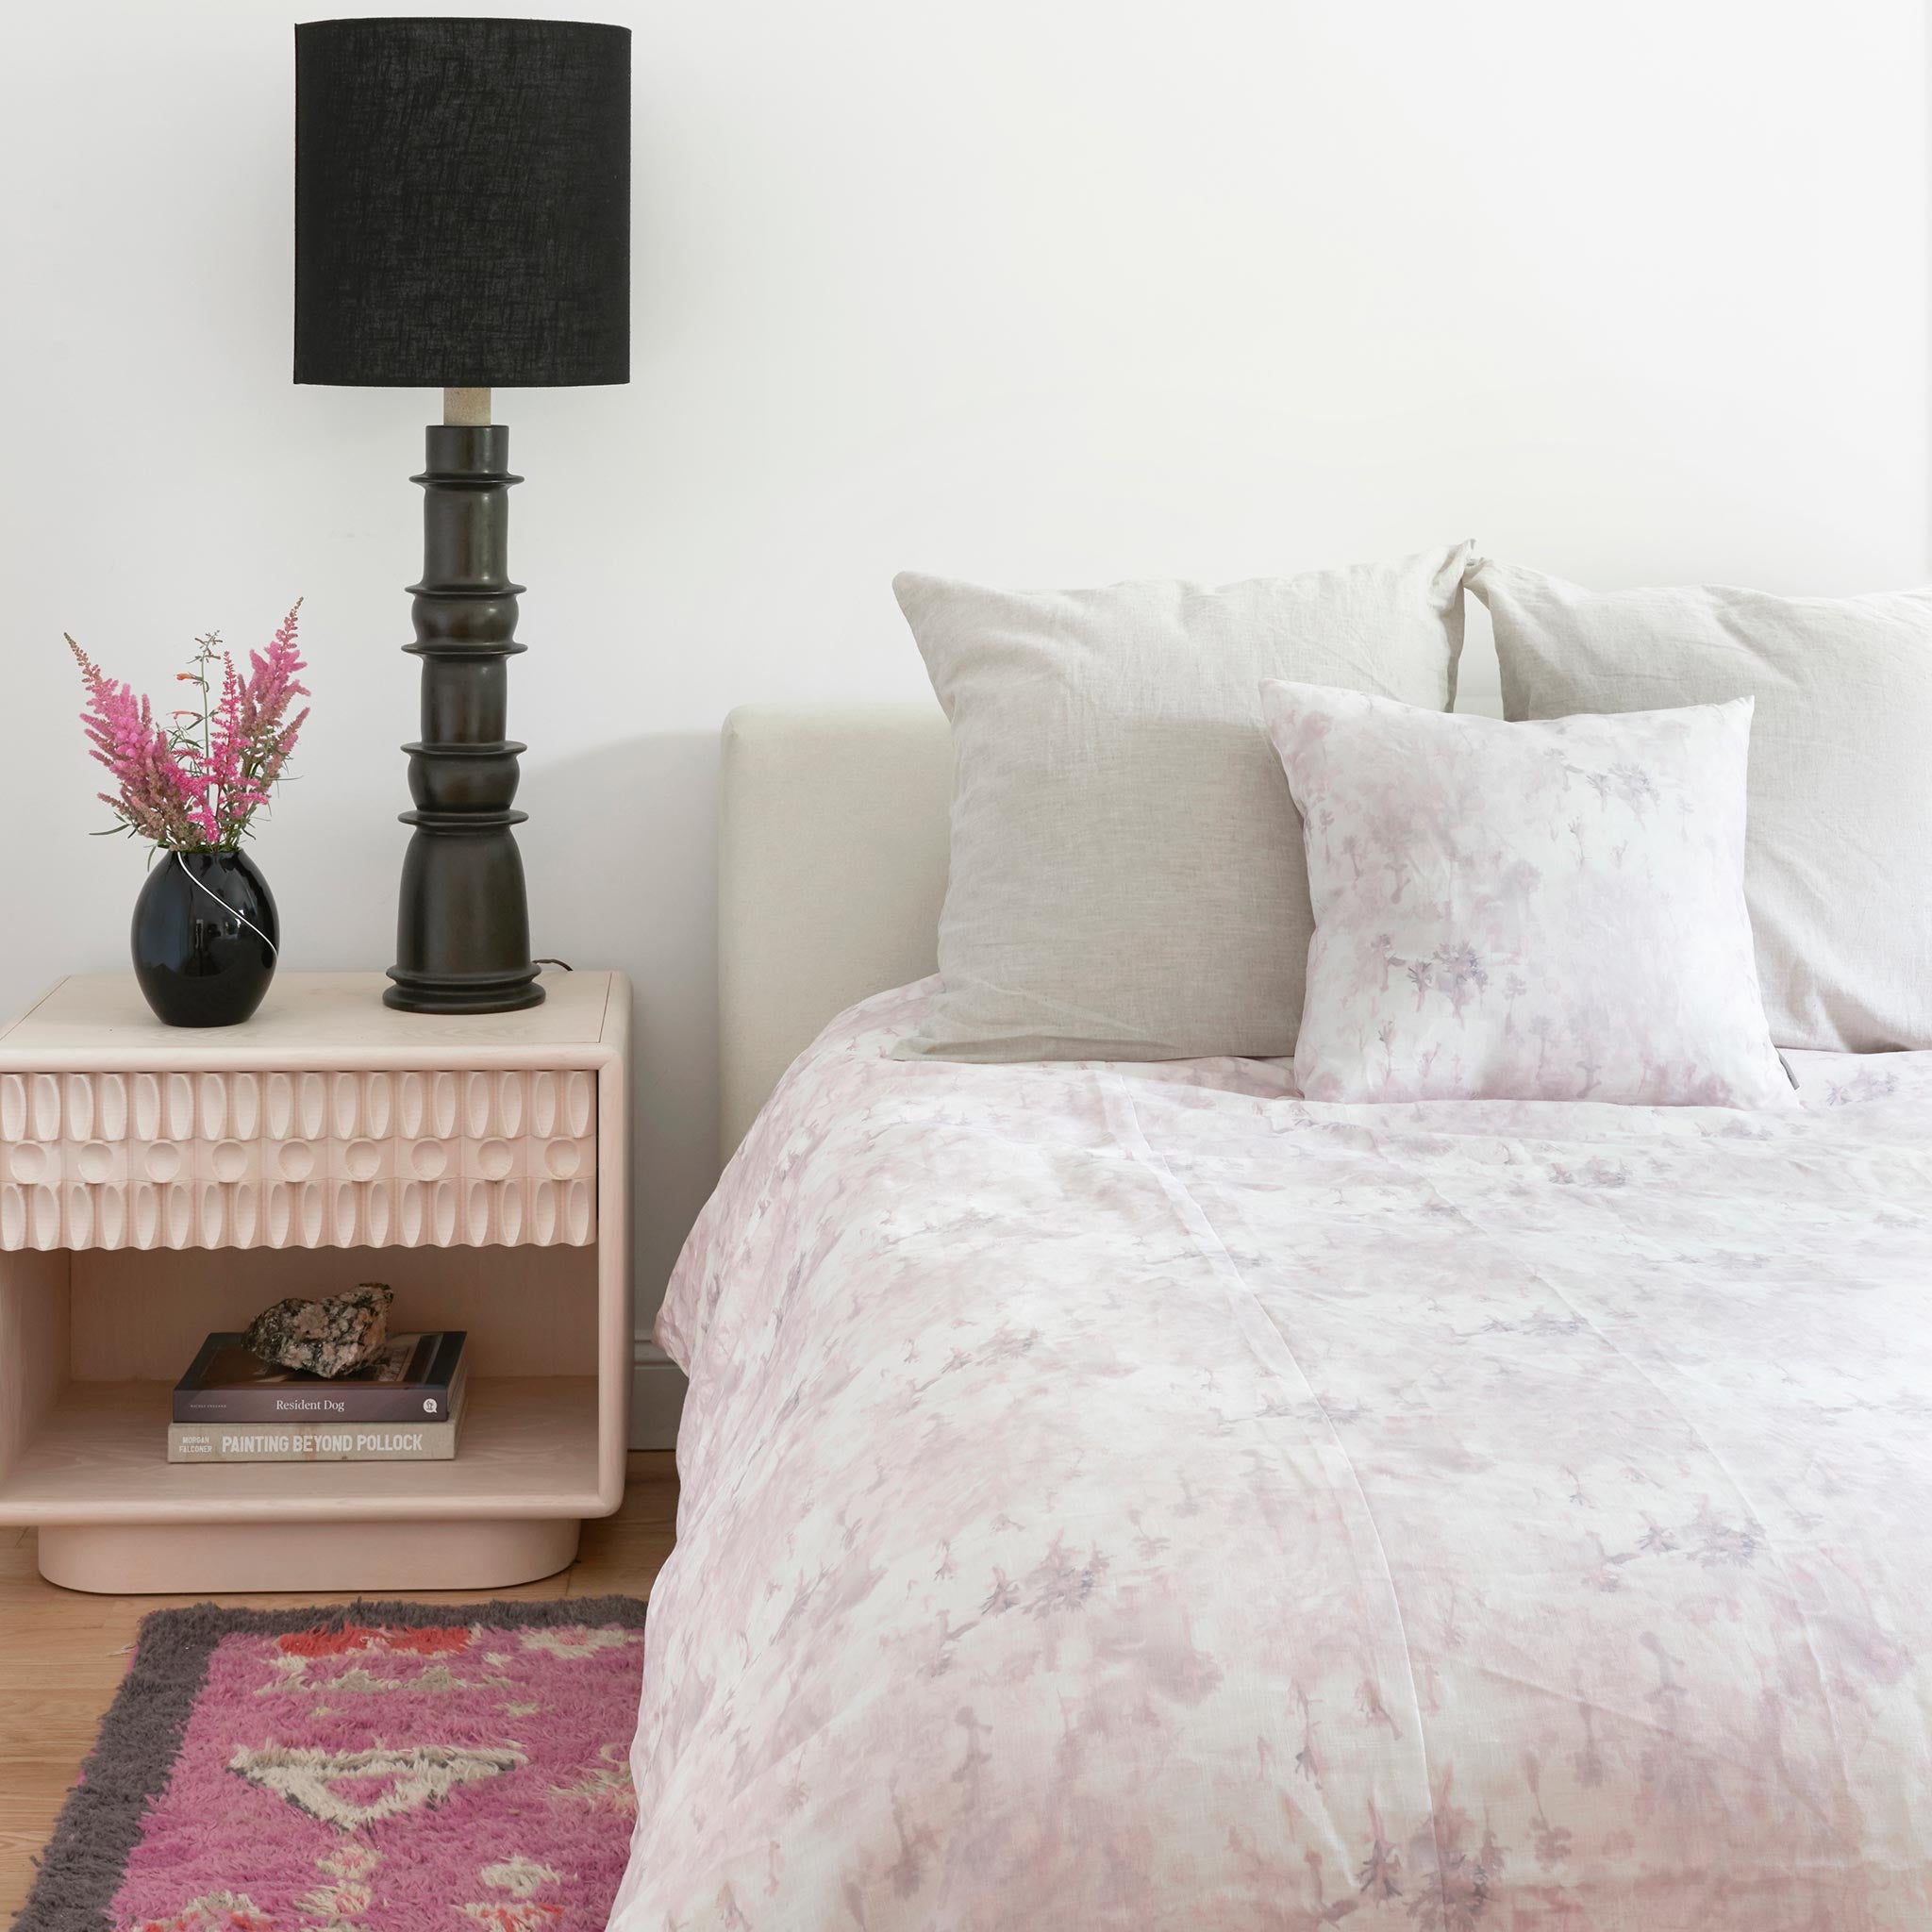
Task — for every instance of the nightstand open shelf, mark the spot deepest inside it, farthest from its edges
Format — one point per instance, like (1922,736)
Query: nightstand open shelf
(155,1184)
(529,1443)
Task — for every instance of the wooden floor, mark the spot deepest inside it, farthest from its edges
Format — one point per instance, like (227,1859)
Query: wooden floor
(62,1653)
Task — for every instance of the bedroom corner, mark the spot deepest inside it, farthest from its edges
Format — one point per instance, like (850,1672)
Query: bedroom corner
(966,966)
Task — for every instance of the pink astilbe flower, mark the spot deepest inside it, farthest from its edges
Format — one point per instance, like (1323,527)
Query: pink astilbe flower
(197,785)
(266,696)
(227,754)
(154,797)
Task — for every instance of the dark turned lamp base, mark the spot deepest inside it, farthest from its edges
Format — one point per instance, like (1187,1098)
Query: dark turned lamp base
(462,921)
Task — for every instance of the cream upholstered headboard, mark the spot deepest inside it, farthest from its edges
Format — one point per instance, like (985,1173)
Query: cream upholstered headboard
(832,844)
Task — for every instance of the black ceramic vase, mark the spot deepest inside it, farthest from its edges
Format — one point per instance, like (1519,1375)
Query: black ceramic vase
(206,938)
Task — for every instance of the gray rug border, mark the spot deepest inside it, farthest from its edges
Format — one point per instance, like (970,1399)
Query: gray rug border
(134,1749)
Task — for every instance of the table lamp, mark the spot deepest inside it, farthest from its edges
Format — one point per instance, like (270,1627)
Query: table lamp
(463,223)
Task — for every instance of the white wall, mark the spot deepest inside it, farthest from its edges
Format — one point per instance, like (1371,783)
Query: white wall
(1035,290)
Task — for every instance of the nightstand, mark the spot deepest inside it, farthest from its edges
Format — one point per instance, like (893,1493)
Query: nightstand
(157,1183)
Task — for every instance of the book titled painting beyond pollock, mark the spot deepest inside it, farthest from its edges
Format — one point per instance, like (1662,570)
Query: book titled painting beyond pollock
(414,1380)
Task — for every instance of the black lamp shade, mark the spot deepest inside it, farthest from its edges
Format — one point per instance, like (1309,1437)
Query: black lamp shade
(462,203)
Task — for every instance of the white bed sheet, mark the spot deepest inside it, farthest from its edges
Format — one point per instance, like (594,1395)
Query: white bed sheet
(1131,1496)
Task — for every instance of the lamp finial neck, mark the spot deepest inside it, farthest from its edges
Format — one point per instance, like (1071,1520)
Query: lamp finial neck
(468,407)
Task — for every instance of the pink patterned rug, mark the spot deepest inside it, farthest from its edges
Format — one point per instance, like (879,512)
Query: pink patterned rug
(381,1768)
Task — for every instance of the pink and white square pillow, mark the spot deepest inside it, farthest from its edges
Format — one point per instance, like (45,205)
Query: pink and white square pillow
(1537,912)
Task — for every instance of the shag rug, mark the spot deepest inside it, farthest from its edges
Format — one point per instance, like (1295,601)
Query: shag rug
(379,1768)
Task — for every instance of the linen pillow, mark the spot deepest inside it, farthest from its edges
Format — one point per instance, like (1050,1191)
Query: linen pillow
(1125,878)
(1547,912)
(1838,868)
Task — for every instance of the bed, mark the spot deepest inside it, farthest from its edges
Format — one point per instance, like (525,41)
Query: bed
(1133,1496)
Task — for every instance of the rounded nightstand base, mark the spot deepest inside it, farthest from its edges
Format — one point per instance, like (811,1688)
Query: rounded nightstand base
(220,1558)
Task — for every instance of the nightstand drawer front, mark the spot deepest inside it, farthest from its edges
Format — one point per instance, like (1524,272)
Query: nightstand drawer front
(435,1157)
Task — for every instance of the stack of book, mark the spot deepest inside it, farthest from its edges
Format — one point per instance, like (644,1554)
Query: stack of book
(406,1405)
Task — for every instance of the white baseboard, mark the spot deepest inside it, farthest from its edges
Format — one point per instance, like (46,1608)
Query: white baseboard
(656,1396)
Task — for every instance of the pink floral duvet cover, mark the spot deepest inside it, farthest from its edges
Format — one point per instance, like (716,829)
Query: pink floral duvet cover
(1129,1496)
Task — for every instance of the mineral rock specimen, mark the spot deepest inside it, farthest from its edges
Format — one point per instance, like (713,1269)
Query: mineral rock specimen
(328,1338)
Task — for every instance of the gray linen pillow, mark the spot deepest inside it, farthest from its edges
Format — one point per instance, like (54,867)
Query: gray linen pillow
(1838,860)
(1127,877)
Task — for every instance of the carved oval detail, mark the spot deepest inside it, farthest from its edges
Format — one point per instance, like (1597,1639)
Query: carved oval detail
(441,1157)
(443,1214)
(409,1213)
(161,1160)
(443,1105)
(178,1106)
(378,1103)
(412,1106)
(79,1121)
(213,1230)
(347,1219)
(509,1105)
(214,1106)
(510,1215)
(346,1098)
(46,1216)
(228,1160)
(276,1217)
(75,1220)
(314,1211)
(147,1106)
(145,1220)
(363,1159)
(244,1107)
(477,1108)
(177,1214)
(112,1124)
(244,1206)
(45,1107)
(544,1105)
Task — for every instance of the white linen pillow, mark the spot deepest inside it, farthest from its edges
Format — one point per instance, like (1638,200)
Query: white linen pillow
(1838,854)
(1125,876)
(1547,912)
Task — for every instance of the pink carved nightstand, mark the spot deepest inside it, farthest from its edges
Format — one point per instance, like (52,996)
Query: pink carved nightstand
(157,1183)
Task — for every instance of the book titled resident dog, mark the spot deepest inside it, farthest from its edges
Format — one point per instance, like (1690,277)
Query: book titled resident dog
(413,1380)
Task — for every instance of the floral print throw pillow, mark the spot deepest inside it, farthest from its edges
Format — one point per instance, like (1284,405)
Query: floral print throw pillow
(1536,911)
